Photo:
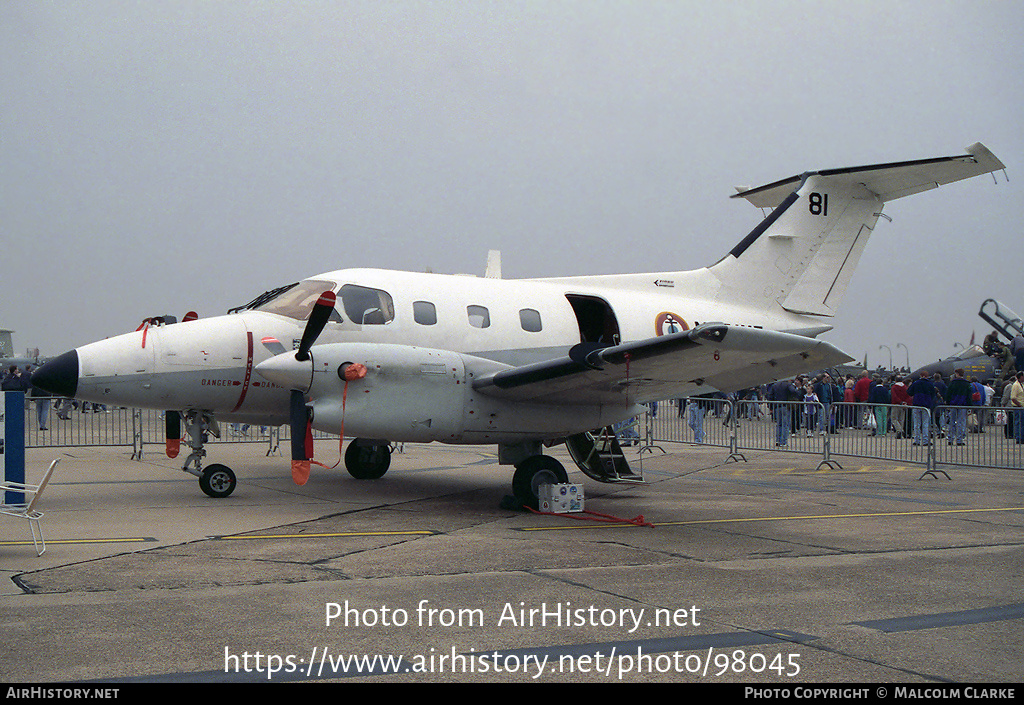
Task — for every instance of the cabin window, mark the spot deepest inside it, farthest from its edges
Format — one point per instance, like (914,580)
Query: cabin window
(366,306)
(424,313)
(479,316)
(530,320)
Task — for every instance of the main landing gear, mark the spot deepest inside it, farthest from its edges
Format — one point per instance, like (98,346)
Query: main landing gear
(215,480)
(367,459)
(533,472)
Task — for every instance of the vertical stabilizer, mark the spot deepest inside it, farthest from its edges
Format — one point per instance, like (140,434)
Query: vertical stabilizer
(6,344)
(801,257)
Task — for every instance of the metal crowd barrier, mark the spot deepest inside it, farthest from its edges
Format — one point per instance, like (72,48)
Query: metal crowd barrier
(904,434)
(955,436)
(95,425)
(84,425)
(978,436)
(670,421)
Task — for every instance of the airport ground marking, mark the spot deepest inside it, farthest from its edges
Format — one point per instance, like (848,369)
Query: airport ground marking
(340,534)
(130,539)
(982,615)
(864,515)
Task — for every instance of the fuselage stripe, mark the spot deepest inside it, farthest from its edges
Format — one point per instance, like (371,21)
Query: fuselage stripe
(248,372)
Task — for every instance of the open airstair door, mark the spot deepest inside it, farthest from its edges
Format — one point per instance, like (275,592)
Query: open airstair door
(599,456)
(596,320)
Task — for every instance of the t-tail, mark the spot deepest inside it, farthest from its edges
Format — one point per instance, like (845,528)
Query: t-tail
(801,257)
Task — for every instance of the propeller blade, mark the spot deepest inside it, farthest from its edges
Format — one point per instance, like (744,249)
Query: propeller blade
(298,416)
(318,318)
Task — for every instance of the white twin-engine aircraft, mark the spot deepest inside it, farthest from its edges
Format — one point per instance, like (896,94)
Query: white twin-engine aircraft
(386,357)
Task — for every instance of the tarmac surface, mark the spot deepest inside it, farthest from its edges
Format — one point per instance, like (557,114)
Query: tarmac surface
(762,571)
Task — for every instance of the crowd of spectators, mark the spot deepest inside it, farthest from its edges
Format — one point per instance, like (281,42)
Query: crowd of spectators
(922,407)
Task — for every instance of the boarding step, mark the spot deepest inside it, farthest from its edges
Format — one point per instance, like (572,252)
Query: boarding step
(599,455)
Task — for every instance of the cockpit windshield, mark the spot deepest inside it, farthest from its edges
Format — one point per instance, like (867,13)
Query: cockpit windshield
(968,353)
(295,300)
(362,304)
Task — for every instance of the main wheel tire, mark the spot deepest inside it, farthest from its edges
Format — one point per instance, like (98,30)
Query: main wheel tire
(217,481)
(367,462)
(533,472)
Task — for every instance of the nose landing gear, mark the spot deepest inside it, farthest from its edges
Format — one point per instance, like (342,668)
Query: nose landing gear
(216,480)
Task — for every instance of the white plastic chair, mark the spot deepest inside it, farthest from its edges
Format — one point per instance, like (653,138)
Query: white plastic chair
(28,511)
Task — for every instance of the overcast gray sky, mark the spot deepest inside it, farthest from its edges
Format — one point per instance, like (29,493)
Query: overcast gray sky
(157,157)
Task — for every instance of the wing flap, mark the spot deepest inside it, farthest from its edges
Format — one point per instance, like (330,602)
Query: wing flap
(709,357)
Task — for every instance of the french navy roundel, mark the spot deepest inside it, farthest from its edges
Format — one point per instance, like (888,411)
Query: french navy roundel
(667,323)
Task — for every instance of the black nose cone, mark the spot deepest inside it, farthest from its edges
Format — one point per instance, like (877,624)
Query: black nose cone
(59,375)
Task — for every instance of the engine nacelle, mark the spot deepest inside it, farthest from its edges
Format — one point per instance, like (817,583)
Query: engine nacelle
(417,395)
(408,394)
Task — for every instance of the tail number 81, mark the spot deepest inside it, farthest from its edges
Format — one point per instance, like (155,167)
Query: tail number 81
(818,203)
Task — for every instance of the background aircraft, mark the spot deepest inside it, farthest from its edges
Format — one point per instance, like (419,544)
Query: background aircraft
(388,356)
(974,360)
(7,356)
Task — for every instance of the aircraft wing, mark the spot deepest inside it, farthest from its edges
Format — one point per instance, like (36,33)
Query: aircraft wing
(711,356)
(888,181)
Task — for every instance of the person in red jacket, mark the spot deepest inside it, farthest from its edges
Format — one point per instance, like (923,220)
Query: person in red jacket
(861,391)
(900,400)
(849,410)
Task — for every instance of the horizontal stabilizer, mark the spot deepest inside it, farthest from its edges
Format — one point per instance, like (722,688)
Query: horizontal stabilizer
(888,181)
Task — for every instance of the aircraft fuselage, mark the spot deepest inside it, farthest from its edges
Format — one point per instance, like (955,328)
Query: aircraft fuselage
(211,364)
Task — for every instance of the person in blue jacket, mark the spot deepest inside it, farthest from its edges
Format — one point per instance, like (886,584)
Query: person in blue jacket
(879,398)
(958,395)
(826,395)
(922,395)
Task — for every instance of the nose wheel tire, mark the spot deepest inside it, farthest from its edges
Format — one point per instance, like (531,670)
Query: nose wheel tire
(217,481)
(533,472)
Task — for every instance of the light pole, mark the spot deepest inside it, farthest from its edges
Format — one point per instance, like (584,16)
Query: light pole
(890,353)
(906,351)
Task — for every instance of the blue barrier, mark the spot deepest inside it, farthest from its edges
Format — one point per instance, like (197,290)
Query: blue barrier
(12,440)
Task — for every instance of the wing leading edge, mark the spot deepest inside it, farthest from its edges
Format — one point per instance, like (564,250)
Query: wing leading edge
(713,356)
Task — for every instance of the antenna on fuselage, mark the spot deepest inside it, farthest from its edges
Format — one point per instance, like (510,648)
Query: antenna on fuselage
(493,270)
